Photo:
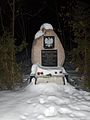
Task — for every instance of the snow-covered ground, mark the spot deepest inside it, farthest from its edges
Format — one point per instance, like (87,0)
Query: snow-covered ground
(45,102)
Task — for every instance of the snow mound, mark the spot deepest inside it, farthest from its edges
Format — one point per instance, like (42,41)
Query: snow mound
(46,26)
(45,101)
(39,34)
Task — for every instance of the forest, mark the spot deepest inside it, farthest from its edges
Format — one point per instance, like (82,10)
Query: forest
(19,21)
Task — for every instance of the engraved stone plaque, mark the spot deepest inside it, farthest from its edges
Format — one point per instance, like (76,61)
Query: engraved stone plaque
(49,58)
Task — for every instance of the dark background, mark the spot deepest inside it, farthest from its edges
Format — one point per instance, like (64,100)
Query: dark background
(31,14)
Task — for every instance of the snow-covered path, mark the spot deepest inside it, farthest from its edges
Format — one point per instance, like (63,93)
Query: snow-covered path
(45,102)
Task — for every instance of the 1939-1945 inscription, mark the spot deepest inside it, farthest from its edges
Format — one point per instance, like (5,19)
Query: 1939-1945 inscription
(49,58)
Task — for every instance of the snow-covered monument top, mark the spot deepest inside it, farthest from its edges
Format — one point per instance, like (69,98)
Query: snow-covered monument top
(47,49)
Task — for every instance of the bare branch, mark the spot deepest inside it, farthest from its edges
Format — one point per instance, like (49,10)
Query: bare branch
(10,4)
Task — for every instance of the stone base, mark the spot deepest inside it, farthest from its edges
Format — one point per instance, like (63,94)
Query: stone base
(57,80)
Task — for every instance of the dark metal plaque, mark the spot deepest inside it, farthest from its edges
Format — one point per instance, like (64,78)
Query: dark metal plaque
(49,58)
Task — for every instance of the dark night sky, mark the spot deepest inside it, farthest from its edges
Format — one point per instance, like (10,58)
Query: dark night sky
(39,12)
(35,13)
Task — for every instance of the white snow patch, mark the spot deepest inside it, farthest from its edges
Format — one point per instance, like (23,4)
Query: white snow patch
(65,110)
(40,117)
(39,34)
(45,102)
(42,101)
(46,26)
(51,111)
(22,117)
(28,101)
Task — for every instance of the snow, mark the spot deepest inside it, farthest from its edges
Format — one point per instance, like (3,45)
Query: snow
(34,69)
(47,72)
(45,26)
(45,102)
(39,34)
